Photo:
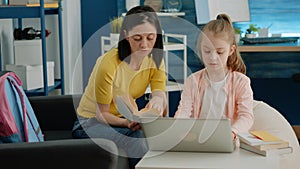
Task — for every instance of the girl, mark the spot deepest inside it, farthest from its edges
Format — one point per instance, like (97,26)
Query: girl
(221,89)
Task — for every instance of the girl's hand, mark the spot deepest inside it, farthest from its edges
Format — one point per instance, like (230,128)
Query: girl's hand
(233,135)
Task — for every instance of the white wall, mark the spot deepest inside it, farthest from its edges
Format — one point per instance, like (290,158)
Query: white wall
(6,42)
(72,45)
(71,19)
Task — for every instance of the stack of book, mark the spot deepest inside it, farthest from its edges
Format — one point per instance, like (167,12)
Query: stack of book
(263,143)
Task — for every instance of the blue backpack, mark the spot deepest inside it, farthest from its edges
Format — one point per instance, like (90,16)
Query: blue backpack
(17,119)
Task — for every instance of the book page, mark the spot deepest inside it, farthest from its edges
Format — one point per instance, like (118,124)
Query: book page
(131,112)
(253,140)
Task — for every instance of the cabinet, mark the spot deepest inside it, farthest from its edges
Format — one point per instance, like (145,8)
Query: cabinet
(180,44)
(19,12)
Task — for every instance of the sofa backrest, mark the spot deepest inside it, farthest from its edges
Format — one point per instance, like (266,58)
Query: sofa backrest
(56,114)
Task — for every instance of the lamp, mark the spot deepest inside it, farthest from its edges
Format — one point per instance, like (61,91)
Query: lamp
(131,3)
(207,10)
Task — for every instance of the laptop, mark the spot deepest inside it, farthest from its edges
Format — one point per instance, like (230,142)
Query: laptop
(188,135)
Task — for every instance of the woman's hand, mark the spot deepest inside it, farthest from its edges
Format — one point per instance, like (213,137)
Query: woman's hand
(133,125)
(104,115)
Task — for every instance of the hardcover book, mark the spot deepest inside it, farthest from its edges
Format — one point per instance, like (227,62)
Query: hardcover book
(275,151)
(265,147)
(263,143)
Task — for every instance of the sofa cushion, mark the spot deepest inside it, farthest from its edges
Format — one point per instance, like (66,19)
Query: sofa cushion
(71,153)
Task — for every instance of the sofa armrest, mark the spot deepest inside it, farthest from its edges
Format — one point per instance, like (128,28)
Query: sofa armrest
(55,114)
(69,153)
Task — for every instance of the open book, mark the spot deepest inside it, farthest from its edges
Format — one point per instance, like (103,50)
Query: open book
(255,138)
(128,108)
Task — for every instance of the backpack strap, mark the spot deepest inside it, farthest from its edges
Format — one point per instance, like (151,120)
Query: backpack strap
(9,127)
(16,84)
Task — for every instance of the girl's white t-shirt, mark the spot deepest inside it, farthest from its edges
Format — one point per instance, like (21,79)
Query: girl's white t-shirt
(214,100)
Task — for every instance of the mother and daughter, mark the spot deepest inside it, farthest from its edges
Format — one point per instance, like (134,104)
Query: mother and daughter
(219,90)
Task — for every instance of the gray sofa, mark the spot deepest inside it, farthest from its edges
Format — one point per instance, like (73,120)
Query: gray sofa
(56,115)
(60,154)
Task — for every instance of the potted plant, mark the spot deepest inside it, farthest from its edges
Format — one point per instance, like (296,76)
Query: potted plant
(115,26)
(251,31)
(237,32)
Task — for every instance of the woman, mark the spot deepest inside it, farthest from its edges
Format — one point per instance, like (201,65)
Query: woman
(127,70)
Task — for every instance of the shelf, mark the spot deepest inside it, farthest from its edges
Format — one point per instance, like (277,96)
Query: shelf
(166,14)
(105,44)
(7,12)
(170,46)
(174,46)
(170,87)
(269,40)
(274,47)
(41,91)
(170,14)
(20,12)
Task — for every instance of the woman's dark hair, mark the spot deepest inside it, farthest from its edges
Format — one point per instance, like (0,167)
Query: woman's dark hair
(137,16)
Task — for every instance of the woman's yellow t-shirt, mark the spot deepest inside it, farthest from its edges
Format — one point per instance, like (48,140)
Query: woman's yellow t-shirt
(111,77)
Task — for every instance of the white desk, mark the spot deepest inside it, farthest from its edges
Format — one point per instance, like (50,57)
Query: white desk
(239,159)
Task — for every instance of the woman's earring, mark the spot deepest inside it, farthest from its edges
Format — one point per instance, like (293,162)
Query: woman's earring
(125,35)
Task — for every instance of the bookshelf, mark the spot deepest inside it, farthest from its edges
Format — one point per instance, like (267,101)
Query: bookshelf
(39,11)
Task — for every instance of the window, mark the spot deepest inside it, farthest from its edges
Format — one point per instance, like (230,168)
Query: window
(282,16)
